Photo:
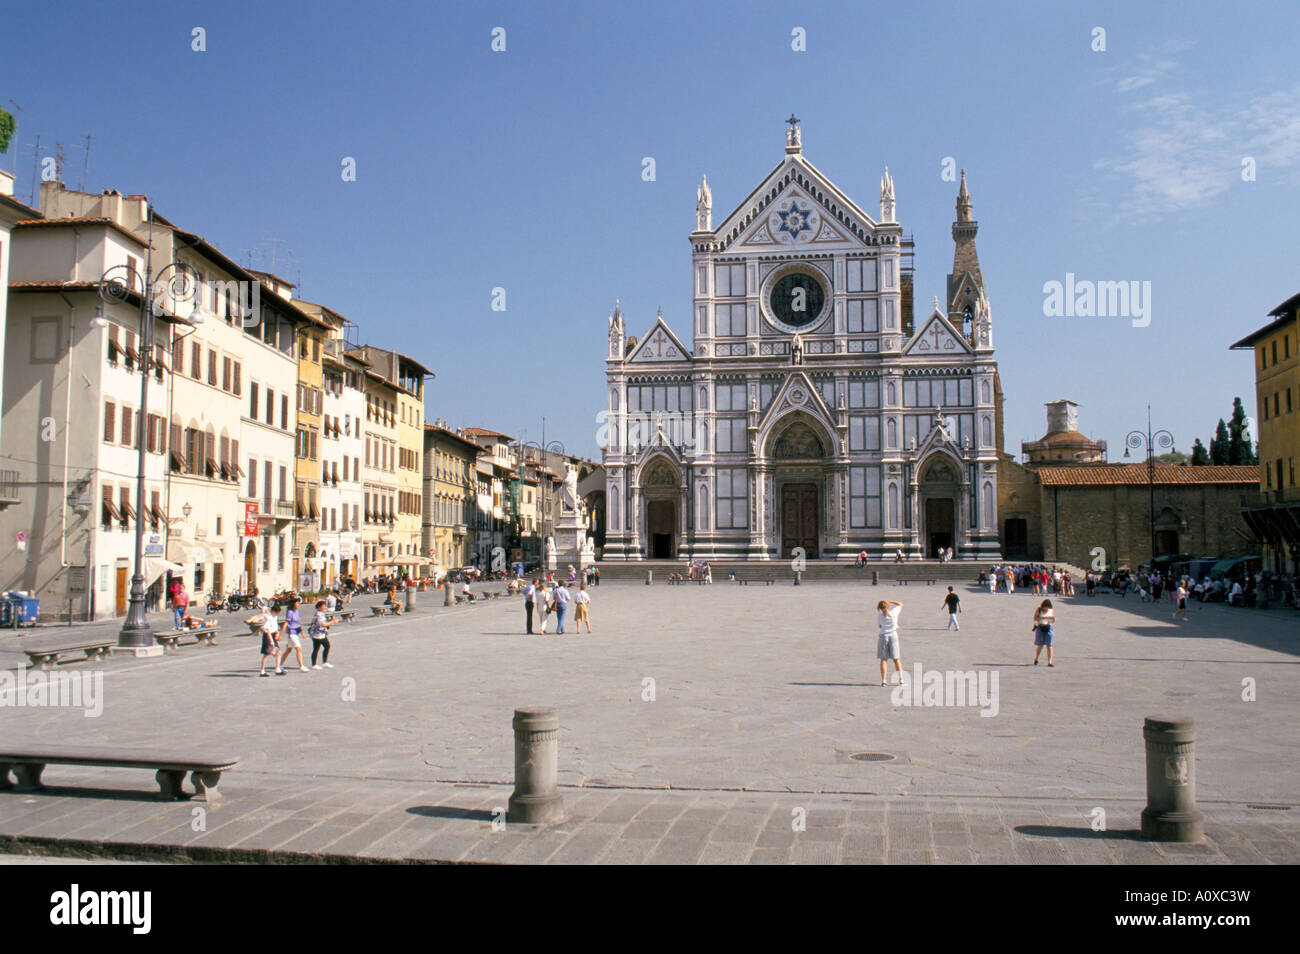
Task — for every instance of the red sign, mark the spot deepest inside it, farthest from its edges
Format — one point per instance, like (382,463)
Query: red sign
(250,520)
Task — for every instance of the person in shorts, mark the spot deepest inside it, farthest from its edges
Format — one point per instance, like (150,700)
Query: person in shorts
(952,602)
(887,645)
(582,614)
(1182,601)
(1044,631)
(292,628)
(266,620)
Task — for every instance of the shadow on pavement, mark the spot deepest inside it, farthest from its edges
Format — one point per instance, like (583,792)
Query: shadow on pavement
(447,811)
(1060,831)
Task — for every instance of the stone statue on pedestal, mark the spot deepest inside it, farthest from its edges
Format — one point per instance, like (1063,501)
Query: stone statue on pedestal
(569,492)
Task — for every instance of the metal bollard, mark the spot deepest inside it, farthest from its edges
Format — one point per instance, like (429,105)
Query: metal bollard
(875,577)
(649,577)
(446,593)
(1171,813)
(410,599)
(536,799)
(798,576)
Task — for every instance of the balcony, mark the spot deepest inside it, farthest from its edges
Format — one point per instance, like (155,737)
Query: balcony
(284,510)
(8,488)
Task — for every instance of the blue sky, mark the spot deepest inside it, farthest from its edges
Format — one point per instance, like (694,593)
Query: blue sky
(522,170)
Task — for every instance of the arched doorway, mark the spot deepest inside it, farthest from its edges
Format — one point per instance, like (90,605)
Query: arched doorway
(1167,526)
(798,455)
(661,487)
(940,488)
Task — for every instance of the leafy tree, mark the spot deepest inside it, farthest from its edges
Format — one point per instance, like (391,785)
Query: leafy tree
(6,129)
(1177,458)
(1239,443)
(1200,456)
(1219,444)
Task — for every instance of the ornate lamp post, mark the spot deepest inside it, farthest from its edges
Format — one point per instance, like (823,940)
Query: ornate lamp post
(174,284)
(1138,439)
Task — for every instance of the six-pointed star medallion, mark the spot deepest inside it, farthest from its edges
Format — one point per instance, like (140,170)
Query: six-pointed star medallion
(795,221)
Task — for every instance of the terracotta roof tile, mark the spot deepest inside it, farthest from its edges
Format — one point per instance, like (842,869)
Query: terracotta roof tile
(1136,474)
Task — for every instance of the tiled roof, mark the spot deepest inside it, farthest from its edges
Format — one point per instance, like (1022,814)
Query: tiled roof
(56,223)
(1136,474)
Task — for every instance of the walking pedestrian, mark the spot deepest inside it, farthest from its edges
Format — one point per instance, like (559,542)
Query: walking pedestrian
(292,628)
(596,570)
(562,599)
(887,645)
(953,604)
(180,604)
(530,592)
(1182,601)
(542,606)
(270,641)
(1044,631)
(582,613)
(320,635)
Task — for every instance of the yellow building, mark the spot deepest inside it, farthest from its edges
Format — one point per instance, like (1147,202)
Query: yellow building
(397,383)
(1276,350)
(450,496)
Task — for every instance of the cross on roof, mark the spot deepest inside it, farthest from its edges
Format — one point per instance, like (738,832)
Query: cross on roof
(792,122)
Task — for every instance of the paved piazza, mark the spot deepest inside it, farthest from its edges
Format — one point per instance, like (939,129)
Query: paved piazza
(761,695)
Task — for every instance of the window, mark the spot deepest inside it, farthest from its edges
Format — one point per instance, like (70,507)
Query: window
(196,361)
(131,355)
(732,496)
(731,435)
(158,352)
(270,406)
(1274,351)
(729,397)
(864,433)
(862,315)
(127,511)
(729,280)
(252,399)
(284,412)
(114,349)
(178,356)
(730,321)
(110,421)
(212,367)
(108,509)
(860,275)
(864,497)
(155,511)
(227,375)
(252,477)
(266,484)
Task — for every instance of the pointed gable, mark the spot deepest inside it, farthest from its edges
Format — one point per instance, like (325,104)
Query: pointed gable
(797,393)
(936,337)
(659,345)
(795,205)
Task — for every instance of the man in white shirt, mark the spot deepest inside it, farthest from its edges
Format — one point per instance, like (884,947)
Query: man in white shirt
(530,591)
(887,645)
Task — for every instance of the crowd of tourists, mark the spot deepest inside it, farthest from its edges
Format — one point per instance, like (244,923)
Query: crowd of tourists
(1034,577)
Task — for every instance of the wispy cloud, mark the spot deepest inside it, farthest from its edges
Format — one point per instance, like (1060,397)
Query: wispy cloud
(1181,150)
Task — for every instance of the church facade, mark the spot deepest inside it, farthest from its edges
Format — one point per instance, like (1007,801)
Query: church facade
(810,415)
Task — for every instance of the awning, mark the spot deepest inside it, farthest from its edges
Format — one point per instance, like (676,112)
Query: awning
(214,553)
(184,551)
(155,567)
(1223,566)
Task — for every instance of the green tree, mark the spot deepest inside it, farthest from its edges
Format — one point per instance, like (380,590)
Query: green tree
(6,129)
(1219,444)
(1177,458)
(1200,456)
(1239,442)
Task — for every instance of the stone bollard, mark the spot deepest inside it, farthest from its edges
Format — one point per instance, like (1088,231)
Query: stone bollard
(649,577)
(1171,813)
(410,599)
(446,593)
(875,577)
(536,799)
(798,577)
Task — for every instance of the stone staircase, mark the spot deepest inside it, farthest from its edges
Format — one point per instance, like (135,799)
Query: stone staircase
(817,571)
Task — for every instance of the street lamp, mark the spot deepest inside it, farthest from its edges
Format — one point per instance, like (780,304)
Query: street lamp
(1135,440)
(174,283)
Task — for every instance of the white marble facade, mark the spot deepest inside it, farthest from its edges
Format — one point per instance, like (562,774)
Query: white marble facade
(808,412)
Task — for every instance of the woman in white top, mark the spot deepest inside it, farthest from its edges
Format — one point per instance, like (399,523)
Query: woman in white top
(1044,631)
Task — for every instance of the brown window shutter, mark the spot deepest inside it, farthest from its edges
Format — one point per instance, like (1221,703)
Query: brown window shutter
(284,411)
(212,367)
(110,421)
(178,356)
(126,426)
(196,361)
(238,388)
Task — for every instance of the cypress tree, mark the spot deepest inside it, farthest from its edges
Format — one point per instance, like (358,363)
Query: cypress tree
(1200,456)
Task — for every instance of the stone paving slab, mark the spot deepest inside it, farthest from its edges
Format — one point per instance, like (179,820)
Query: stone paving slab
(699,717)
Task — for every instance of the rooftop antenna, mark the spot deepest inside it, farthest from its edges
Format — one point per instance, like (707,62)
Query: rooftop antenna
(85,167)
(58,161)
(36,172)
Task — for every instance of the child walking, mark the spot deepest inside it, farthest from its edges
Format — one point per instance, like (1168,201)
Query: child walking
(320,635)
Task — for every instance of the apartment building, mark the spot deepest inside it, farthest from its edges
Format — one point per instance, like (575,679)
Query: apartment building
(450,496)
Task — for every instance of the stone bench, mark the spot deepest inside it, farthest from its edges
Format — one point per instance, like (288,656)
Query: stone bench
(382,610)
(48,658)
(27,764)
(346,616)
(203,636)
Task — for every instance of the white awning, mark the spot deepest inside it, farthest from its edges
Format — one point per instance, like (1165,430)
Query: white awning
(214,553)
(184,551)
(155,567)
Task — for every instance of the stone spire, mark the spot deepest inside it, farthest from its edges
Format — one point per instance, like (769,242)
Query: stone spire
(963,201)
(616,335)
(887,197)
(703,206)
(964,257)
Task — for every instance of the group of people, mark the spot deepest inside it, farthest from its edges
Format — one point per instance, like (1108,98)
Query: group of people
(1041,580)
(887,624)
(543,597)
(281,639)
